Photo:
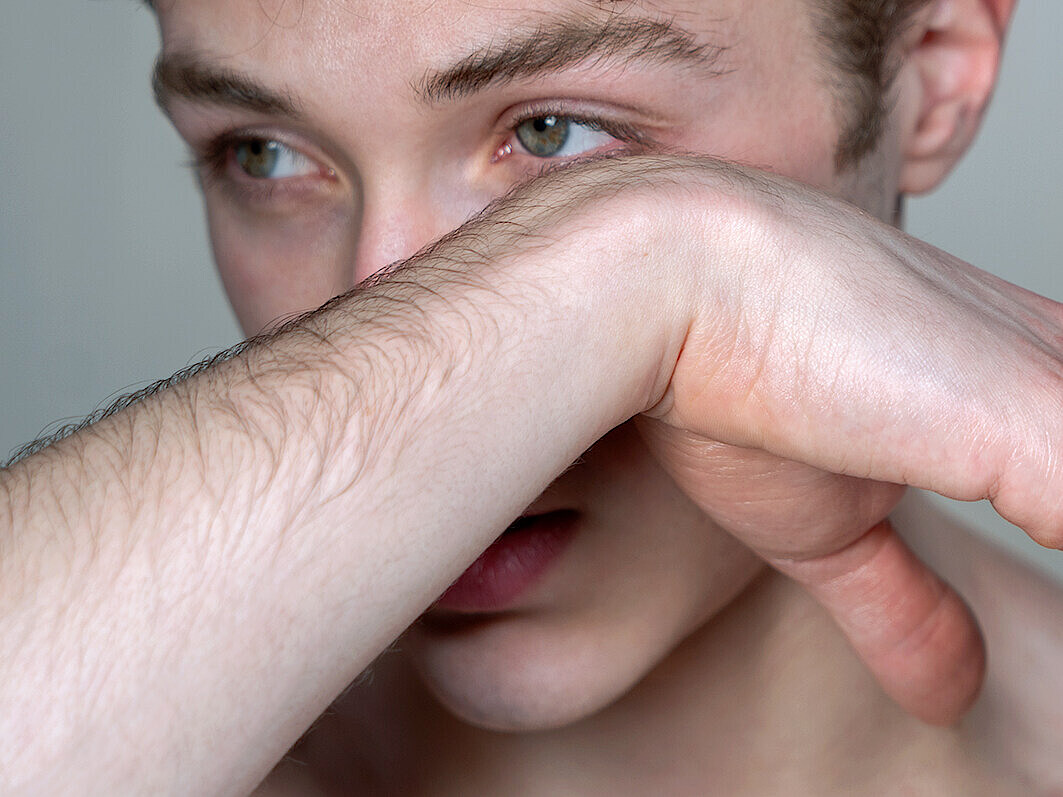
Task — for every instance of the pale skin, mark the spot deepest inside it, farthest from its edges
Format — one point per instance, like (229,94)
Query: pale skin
(190,583)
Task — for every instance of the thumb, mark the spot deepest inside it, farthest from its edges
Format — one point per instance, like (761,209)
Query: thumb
(909,627)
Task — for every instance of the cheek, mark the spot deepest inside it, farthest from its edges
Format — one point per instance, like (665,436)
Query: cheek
(776,111)
(785,135)
(275,267)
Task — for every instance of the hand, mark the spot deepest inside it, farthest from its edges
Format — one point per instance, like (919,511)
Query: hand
(759,323)
(842,358)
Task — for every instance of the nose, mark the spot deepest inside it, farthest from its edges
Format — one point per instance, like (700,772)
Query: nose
(398,220)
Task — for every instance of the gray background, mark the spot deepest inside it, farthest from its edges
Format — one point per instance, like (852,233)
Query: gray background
(106,278)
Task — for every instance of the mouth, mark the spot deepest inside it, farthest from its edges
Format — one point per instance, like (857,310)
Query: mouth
(512,565)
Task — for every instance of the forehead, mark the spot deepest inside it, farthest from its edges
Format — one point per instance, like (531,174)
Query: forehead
(392,35)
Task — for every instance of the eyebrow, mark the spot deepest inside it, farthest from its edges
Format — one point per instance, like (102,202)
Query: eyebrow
(551,47)
(188,76)
(567,42)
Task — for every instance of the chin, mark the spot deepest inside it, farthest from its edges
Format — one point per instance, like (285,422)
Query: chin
(556,665)
(508,675)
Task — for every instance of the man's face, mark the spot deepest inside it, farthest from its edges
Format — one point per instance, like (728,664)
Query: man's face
(338,136)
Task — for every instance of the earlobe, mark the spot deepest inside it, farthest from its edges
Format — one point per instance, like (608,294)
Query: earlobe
(952,59)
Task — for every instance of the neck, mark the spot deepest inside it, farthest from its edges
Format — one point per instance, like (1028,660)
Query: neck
(765,698)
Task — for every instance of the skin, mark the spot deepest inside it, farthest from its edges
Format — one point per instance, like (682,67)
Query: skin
(652,653)
(649,569)
(625,595)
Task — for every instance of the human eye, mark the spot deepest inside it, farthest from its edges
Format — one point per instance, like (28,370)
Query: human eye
(259,167)
(558,135)
(268,159)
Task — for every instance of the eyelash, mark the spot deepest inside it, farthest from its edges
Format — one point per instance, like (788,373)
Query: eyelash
(621,131)
(213,160)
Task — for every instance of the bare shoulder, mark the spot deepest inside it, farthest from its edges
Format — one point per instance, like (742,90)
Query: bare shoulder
(1018,719)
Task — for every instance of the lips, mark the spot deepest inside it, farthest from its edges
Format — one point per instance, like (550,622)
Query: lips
(513,563)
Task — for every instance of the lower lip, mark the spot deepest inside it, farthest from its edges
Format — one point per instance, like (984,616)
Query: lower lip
(512,565)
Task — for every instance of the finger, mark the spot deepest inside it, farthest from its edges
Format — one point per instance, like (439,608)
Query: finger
(909,627)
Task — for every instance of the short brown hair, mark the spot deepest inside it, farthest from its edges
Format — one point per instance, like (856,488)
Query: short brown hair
(858,37)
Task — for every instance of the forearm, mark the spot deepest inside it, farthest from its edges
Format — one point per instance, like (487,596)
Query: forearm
(189,582)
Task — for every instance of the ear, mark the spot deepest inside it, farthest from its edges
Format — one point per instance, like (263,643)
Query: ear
(951,62)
